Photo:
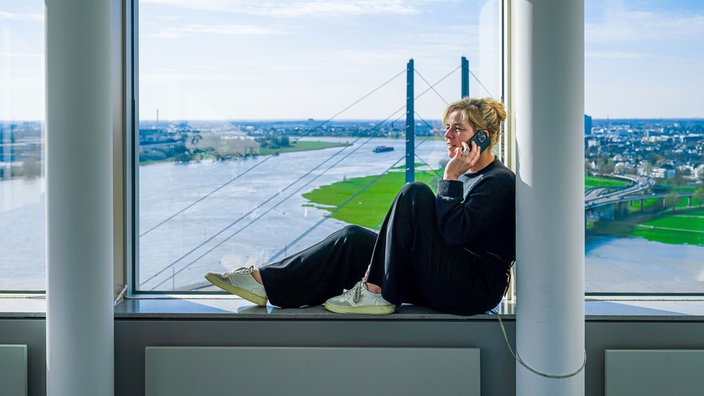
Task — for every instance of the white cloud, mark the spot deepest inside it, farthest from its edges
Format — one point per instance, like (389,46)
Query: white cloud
(35,55)
(621,25)
(229,30)
(634,54)
(343,8)
(616,55)
(19,16)
(299,8)
(359,56)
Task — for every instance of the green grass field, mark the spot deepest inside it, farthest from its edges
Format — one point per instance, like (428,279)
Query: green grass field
(683,227)
(594,181)
(368,207)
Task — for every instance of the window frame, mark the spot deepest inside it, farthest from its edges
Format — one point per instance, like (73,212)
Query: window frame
(130,169)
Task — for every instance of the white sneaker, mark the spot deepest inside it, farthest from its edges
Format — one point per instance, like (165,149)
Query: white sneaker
(359,300)
(240,282)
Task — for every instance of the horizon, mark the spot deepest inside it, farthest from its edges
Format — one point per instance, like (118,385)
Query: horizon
(360,119)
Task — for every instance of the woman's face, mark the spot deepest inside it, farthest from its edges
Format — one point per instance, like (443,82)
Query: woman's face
(457,131)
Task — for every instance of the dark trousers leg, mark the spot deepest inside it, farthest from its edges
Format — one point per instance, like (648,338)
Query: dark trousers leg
(321,271)
(413,264)
(408,238)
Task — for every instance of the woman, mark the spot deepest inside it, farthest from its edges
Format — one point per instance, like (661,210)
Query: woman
(451,252)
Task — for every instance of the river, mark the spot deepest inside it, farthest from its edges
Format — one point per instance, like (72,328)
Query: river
(216,215)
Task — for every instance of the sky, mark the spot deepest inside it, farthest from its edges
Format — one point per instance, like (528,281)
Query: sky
(644,58)
(346,59)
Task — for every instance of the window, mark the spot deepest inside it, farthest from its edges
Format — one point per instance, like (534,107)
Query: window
(227,92)
(644,147)
(248,113)
(22,183)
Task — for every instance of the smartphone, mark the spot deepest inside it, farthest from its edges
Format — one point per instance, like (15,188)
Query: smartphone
(481,138)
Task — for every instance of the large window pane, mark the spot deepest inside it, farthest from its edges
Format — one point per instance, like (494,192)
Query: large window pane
(644,147)
(22,184)
(235,96)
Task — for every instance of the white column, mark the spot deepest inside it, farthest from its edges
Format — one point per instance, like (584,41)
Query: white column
(79,340)
(549,109)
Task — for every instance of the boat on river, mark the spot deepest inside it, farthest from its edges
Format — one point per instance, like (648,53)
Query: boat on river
(383,149)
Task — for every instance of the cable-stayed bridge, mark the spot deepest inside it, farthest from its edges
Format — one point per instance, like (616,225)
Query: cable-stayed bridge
(161,277)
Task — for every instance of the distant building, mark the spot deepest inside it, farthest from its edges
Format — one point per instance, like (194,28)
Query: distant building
(666,171)
(587,124)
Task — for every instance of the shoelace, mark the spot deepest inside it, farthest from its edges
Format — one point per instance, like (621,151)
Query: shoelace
(355,292)
(241,270)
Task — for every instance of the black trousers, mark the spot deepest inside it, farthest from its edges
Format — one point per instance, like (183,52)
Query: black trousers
(407,258)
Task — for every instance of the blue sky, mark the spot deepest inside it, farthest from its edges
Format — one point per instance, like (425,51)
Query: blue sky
(644,58)
(308,59)
(248,59)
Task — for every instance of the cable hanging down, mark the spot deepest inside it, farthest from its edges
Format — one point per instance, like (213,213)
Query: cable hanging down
(532,370)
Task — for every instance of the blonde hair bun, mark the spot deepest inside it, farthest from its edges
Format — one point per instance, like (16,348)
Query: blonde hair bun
(481,113)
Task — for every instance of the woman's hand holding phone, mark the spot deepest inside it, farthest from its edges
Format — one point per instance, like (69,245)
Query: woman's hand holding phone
(481,138)
(467,156)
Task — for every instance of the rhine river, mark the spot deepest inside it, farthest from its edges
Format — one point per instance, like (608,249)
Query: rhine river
(217,215)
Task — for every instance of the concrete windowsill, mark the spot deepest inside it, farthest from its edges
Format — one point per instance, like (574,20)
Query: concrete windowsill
(233,308)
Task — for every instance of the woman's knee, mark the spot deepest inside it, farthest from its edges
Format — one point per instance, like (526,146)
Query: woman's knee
(416,187)
(350,229)
(417,191)
(357,232)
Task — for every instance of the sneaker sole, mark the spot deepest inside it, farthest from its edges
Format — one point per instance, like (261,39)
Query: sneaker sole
(365,310)
(246,294)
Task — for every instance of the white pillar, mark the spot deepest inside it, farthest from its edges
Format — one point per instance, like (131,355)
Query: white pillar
(79,337)
(549,112)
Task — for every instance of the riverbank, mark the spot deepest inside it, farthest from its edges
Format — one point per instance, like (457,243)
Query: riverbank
(226,151)
(365,200)
(678,227)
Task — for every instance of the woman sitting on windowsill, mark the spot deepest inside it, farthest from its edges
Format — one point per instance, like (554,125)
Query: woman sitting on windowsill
(450,252)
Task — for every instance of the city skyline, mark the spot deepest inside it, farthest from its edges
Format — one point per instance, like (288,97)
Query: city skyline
(315,58)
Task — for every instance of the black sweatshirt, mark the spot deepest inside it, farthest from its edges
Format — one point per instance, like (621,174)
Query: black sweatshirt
(478,211)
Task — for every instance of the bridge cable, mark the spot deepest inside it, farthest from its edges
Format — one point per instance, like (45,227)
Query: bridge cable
(268,157)
(305,233)
(431,87)
(259,217)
